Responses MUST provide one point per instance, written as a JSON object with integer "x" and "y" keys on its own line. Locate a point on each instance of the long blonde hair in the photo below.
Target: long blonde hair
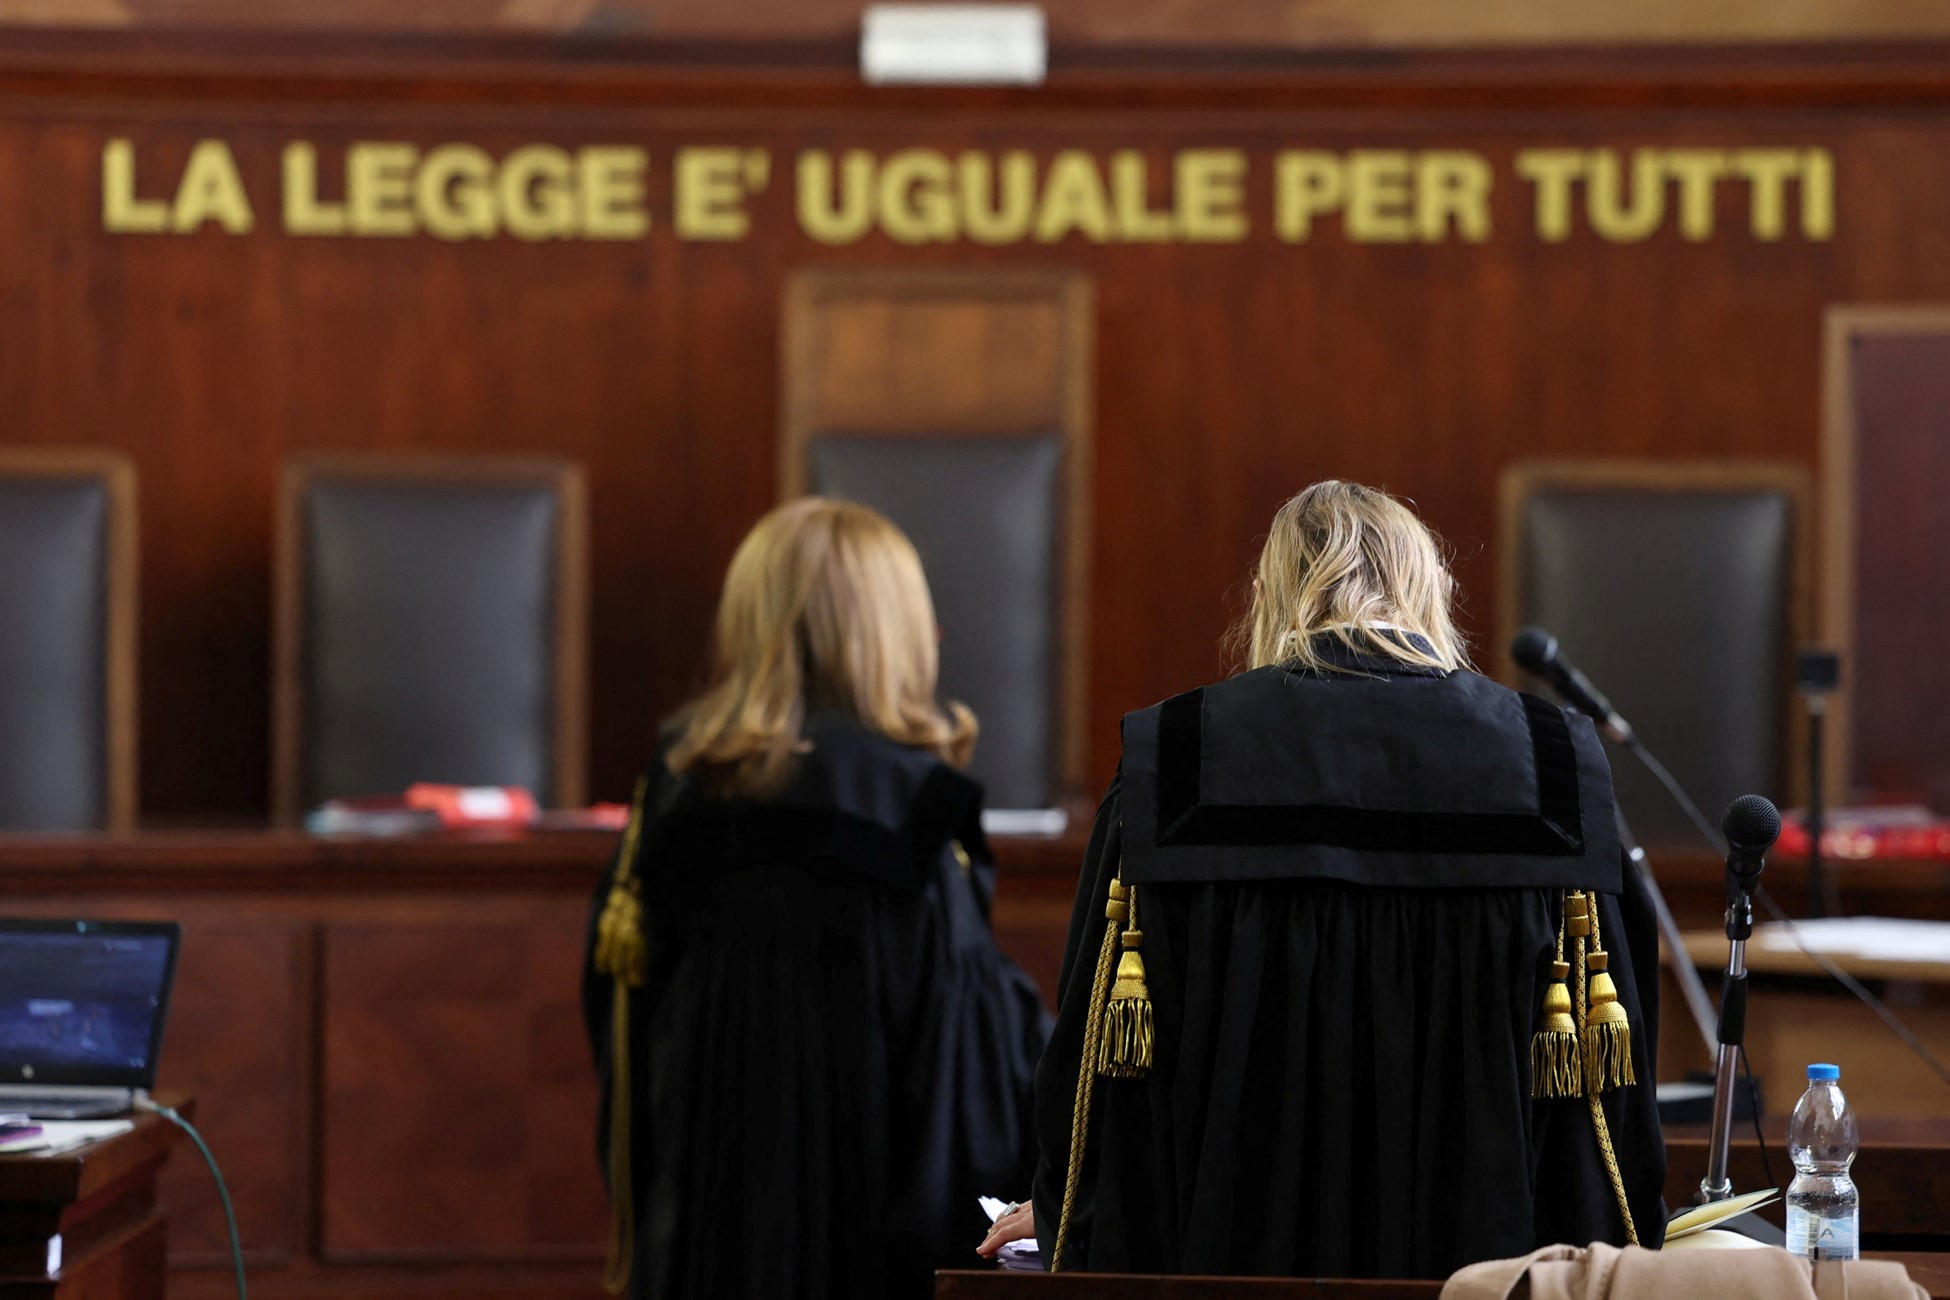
{"x": 1352, "y": 562}
{"x": 824, "y": 607}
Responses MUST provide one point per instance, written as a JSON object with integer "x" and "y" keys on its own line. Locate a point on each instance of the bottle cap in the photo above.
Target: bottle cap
{"x": 1829, "y": 1073}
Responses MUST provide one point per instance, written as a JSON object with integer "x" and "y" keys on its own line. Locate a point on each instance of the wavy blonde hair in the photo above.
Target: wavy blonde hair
{"x": 1344, "y": 560}
{"x": 824, "y": 607}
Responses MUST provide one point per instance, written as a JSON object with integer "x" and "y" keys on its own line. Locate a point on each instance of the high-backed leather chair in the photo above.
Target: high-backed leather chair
{"x": 67, "y": 641}
{"x": 957, "y": 404}
{"x": 1884, "y": 533}
{"x": 430, "y": 626}
{"x": 1681, "y": 591}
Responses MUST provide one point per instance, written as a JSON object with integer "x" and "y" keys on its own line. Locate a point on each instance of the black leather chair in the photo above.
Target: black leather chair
{"x": 1680, "y": 590}
{"x": 67, "y": 641}
{"x": 986, "y": 515}
{"x": 957, "y": 404}
{"x": 431, "y": 626}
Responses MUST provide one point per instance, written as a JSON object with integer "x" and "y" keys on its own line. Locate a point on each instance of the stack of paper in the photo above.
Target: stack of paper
{"x": 1885, "y": 938}
{"x": 1025, "y": 1256}
{"x": 17, "y": 1129}
{"x": 1700, "y": 1218}
{"x": 66, "y": 1134}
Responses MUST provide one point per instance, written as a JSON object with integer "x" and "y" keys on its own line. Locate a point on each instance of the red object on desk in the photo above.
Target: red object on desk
{"x": 460, "y": 805}
{"x": 1866, "y": 834}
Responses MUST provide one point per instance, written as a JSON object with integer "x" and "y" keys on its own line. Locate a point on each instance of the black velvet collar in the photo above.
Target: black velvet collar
{"x": 1353, "y": 659}
{"x": 856, "y": 798}
{"x": 1407, "y": 776}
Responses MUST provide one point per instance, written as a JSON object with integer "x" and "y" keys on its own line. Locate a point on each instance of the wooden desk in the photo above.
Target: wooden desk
{"x": 386, "y": 1036}
{"x": 87, "y": 1223}
{"x": 387, "y": 1042}
{"x": 1797, "y": 1013}
{"x": 1931, "y": 1271}
{"x": 997, "y": 1284}
{"x": 1903, "y": 1175}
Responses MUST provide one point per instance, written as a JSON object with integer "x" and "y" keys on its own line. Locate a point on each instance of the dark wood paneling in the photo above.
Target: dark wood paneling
{"x": 457, "y": 1091}
{"x": 1228, "y": 375}
{"x": 1886, "y": 459}
{"x": 239, "y": 1040}
{"x": 1077, "y": 25}
{"x": 428, "y": 1104}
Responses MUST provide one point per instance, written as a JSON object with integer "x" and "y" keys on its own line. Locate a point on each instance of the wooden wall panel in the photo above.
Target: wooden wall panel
{"x": 1227, "y": 376}
{"x": 456, "y": 1092}
{"x": 1886, "y": 461}
{"x": 829, "y": 26}
{"x": 239, "y": 1041}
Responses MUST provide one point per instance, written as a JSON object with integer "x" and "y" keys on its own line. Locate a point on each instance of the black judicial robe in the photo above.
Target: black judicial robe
{"x": 830, "y": 1059}
{"x": 1349, "y": 891}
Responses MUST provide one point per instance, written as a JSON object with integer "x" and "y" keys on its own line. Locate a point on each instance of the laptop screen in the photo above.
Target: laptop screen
{"x": 82, "y": 1002}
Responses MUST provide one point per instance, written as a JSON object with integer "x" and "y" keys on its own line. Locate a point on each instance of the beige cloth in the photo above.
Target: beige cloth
{"x": 1601, "y": 1272}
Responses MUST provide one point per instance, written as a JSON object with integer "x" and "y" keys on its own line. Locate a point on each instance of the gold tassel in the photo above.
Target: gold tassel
{"x": 1607, "y": 1029}
{"x": 1125, "y": 1046}
{"x": 619, "y": 934}
{"x": 1556, "y": 1065}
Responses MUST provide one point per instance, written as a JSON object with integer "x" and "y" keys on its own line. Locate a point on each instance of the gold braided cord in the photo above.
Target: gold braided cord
{"x": 1598, "y": 1123}
{"x": 1610, "y": 1157}
{"x": 623, "y": 961}
{"x": 1087, "y": 1074}
{"x": 622, "y": 1192}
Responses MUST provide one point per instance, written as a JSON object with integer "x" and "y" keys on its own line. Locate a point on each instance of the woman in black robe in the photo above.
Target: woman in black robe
{"x": 813, "y": 1056}
{"x": 1358, "y": 983}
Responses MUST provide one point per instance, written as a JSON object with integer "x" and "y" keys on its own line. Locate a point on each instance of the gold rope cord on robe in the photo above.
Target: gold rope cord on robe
{"x": 1116, "y": 908}
{"x": 620, "y": 955}
{"x": 1592, "y": 1098}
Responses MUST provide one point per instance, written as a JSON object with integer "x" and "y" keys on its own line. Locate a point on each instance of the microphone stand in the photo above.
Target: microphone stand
{"x": 1691, "y": 986}
{"x": 1717, "y": 1186}
{"x": 1821, "y": 892}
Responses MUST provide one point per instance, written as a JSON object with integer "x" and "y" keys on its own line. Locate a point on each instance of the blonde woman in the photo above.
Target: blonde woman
{"x": 814, "y": 1058}
{"x": 1313, "y": 1018}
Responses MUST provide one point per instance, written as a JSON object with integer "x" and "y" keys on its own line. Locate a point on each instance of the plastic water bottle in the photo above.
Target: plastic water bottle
{"x": 1823, "y": 1211}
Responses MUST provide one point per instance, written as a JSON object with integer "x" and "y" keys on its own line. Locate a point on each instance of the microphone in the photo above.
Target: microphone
{"x": 1751, "y": 826}
{"x": 1536, "y": 652}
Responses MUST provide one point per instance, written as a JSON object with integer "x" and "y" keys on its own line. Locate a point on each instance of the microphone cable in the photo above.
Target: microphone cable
{"x": 1753, "y": 1113}
{"x": 223, "y": 1191}
{"x": 1793, "y": 931}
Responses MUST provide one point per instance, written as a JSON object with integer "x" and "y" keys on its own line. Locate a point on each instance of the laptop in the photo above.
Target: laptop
{"x": 82, "y": 1005}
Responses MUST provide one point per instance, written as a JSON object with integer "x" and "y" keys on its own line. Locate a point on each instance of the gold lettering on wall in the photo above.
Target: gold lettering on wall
{"x": 711, "y": 186}
{"x": 918, "y": 195}
{"x": 835, "y": 209}
{"x": 454, "y": 193}
{"x": 121, "y": 209}
{"x": 1211, "y": 191}
{"x": 1384, "y": 196}
{"x": 209, "y": 189}
{"x": 1679, "y": 189}
{"x": 304, "y": 213}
